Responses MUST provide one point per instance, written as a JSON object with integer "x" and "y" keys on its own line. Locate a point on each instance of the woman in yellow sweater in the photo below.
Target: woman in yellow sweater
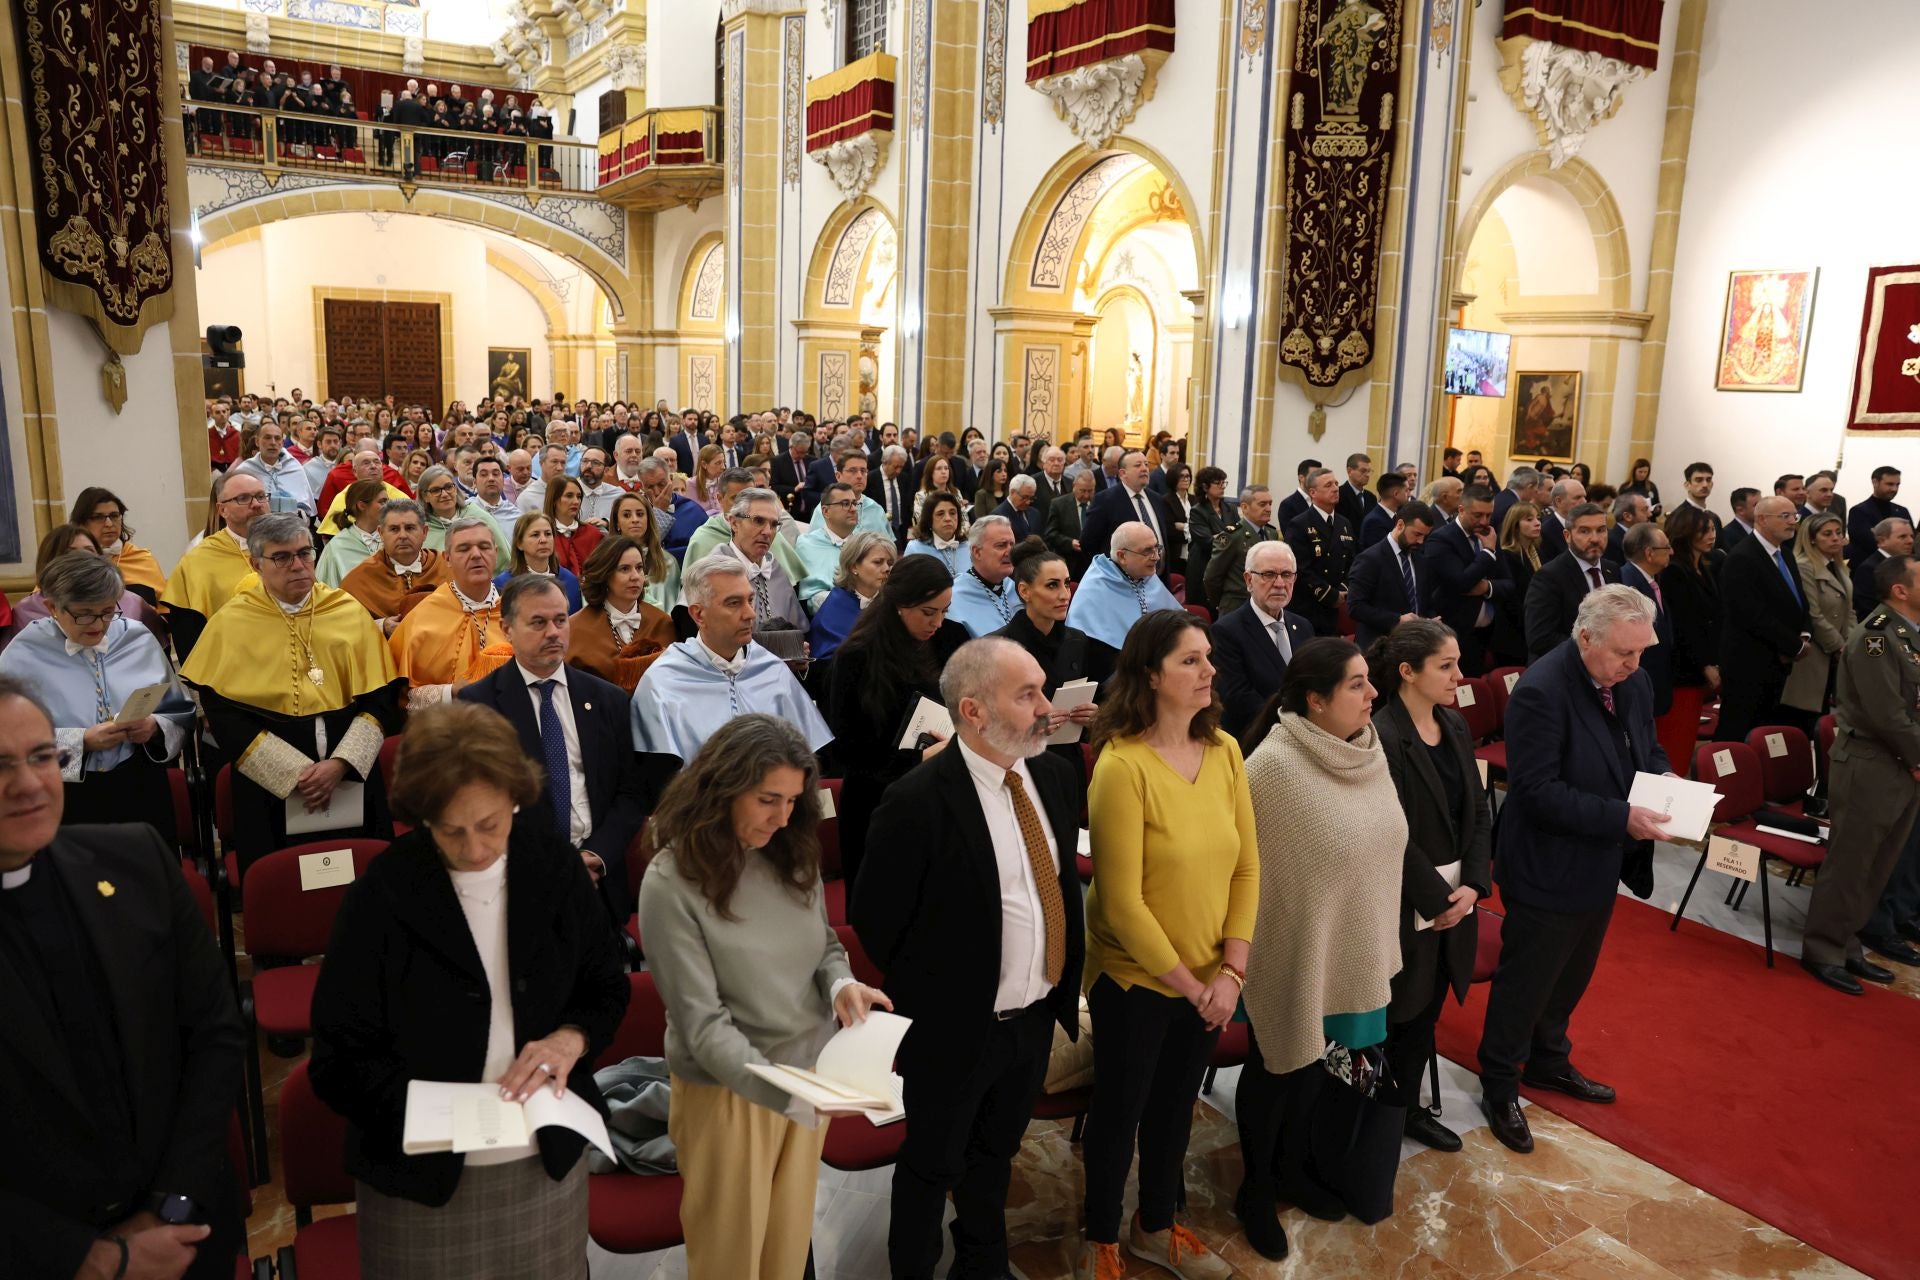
{"x": 1176, "y": 880}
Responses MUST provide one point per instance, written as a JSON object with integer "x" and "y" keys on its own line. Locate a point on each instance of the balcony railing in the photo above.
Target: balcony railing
{"x": 281, "y": 141}
{"x": 662, "y": 157}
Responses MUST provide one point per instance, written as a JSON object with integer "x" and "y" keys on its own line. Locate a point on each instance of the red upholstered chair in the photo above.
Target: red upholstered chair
{"x": 832, "y": 885}
{"x": 855, "y": 1143}
{"x": 1200, "y": 611}
{"x": 1501, "y": 680}
{"x": 1474, "y": 701}
{"x": 1823, "y": 737}
{"x": 636, "y": 1212}
{"x": 313, "y": 1143}
{"x": 1786, "y": 765}
{"x": 1230, "y": 1050}
{"x": 1177, "y": 584}
{"x": 1343, "y": 621}
{"x": 864, "y": 969}
{"x": 1734, "y": 771}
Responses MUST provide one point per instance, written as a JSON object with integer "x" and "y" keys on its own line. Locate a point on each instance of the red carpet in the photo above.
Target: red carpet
{"x": 1759, "y": 1086}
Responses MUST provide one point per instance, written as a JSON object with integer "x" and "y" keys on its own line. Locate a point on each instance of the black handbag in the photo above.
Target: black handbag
{"x": 1356, "y": 1132}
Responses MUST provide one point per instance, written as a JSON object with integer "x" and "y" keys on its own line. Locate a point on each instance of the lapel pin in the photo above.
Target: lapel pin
{"x": 586, "y": 706}
{"x": 106, "y": 888}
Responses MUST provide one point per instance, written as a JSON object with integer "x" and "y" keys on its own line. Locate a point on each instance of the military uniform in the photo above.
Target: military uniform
{"x": 1224, "y": 586}
{"x": 1324, "y": 544}
{"x": 1875, "y": 801}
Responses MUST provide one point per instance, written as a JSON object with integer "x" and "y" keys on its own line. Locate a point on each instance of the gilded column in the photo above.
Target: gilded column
{"x": 752, "y": 192}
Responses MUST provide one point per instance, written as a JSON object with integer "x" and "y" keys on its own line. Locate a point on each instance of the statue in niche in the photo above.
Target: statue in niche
{"x": 1349, "y": 36}
{"x": 1136, "y": 389}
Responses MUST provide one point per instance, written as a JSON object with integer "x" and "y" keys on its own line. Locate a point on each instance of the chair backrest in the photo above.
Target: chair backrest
{"x": 1823, "y": 735}
{"x": 1200, "y": 611}
{"x": 284, "y": 921}
{"x": 202, "y": 896}
{"x": 830, "y": 833}
{"x": 1731, "y": 769}
{"x": 1474, "y": 700}
{"x": 1786, "y": 762}
{"x": 313, "y": 1146}
{"x": 186, "y": 833}
{"x": 223, "y": 807}
{"x": 636, "y": 865}
{"x": 864, "y": 969}
{"x": 643, "y": 1028}
{"x": 1501, "y": 680}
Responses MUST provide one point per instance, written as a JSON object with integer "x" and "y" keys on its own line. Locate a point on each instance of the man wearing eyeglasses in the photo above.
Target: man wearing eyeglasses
{"x": 1120, "y": 588}
{"x": 208, "y": 575}
{"x": 403, "y": 572}
{"x": 754, "y": 515}
{"x": 819, "y": 547}
{"x": 300, "y": 691}
{"x": 1253, "y": 645}
{"x": 279, "y": 471}
{"x": 853, "y": 473}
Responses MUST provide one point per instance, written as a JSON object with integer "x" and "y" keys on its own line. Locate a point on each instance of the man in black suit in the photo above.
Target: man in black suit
{"x": 1253, "y": 644}
{"x": 1763, "y": 621}
{"x": 1563, "y": 582}
{"x": 1066, "y": 523}
{"x": 122, "y": 1053}
{"x": 1699, "y": 485}
{"x": 1891, "y": 537}
{"x": 687, "y": 442}
{"x": 1019, "y": 509}
{"x": 1568, "y": 493}
{"x": 586, "y": 747}
{"x": 1296, "y": 502}
{"x": 1629, "y": 509}
{"x": 969, "y": 902}
{"x": 1648, "y": 554}
{"x": 787, "y": 472}
{"x": 1324, "y": 544}
{"x": 1051, "y": 478}
{"x": 1579, "y": 725}
{"x": 1525, "y": 484}
{"x": 1355, "y": 498}
{"x": 1128, "y": 500}
{"x": 1384, "y": 588}
{"x": 887, "y": 485}
{"x": 1740, "y": 528}
{"x": 1465, "y": 577}
{"x": 1392, "y": 490}
{"x": 1869, "y": 512}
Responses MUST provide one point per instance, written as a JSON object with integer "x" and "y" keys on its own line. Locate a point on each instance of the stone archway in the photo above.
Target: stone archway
{"x": 700, "y": 319}
{"x": 1589, "y": 190}
{"x": 843, "y": 344}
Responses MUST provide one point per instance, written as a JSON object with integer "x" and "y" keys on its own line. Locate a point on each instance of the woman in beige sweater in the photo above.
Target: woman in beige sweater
{"x": 1818, "y": 545}
{"x": 1326, "y": 940}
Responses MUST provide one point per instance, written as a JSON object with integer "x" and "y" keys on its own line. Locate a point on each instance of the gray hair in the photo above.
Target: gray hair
{"x": 460, "y": 524}
{"x": 748, "y": 496}
{"x": 1523, "y": 478}
{"x": 1254, "y": 553}
{"x": 1113, "y": 453}
{"x": 978, "y": 534}
{"x": 697, "y": 581}
{"x": 650, "y": 467}
{"x": 1884, "y": 530}
{"x": 1021, "y": 484}
{"x": 434, "y": 473}
{"x": 893, "y": 452}
{"x": 1563, "y": 489}
{"x": 78, "y": 577}
{"x": 1629, "y": 503}
{"x": 12, "y": 686}
{"x": 1253, "y": 489}
{"x": 859, "y": 545}
{"x": 272, "y": 530}
{"x": 404, "y": 506}
{"x": 1615, "y": 603}
{"x": 974, "y": 669}
{"x": 731, "y": 476}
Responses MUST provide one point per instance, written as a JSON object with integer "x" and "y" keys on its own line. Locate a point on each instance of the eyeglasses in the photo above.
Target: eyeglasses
{"x": 88, "y": 617}
{"x": 104, "y": 517}
{"x": 437, "y": 490}
{"x": 246, "y": 499}
{"x": 1150, "y": 553}
{"x": 40, "y": 758}
{"x": 281, "y": 559}
{"x": 1269, "y": 575}
{"x": 845, "y": 504}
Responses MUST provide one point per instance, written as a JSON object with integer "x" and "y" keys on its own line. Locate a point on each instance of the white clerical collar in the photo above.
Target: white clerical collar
{"x": 944, "y": 544}
{"x": 566, "y": 530}
{"x": 372, "y": 540}
{"x": 559, "y": 675}
{"x": 761, "y": 568}
{"x": 469, "y": 603}
{"x": 74, "y": 648}
{"x": 291, "y": 609}
{"x": 618, "y": 617}
{"x": 833, "y": 538}
{"x": 17, "y": 877}
{"x": 727, "y": 666}
{"x": 418, "y": 566}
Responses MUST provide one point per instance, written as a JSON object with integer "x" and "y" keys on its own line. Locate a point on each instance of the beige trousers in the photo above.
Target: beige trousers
{"x": 750, "y": 1175}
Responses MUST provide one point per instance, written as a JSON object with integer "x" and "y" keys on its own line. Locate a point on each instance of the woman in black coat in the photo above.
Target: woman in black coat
{"x": 1212, "y": 514}
{"x": 1063, "y": 652}
{"x": 1690, "y": 589}
{"x": 1429, "y": 752}
{"x": 1520, "y": 554}
{"x": 474, "y": 949}
{"x": 889, "y": 661}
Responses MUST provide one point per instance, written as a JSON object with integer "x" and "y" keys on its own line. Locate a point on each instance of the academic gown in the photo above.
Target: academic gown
{"x": 205, "y": 579}
{"x": 272, "y": 720}
{"x": 33, "y": 606}
{"x": 838, "y": 612}
{"x": 953, "y": 555}
{"x": 684, "y": 698}
{"x": 436, "y": 539}
{"x": 128, "y": 779}
{"x": 568, "y": 583}
{"x": 336, "y": 521}
{"x": 592, "y": 645}
{"x": 388, "y": 594}
{"x": 344, "y": 553}
{"x": 978, "y": 609}
{"x": 439, "y": 643}
{"x": 716, "y": 531}
{"x": 1108, "y": 602}
{"x": 139, "y": 571}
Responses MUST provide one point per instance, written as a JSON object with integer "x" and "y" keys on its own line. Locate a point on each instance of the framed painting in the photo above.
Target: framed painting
{"x": 1763, "y": 333}
{"x": 507, "y": 372}
{"x": 1546, "y": 415}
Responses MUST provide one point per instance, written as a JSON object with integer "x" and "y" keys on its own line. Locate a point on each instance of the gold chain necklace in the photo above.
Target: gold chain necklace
{"x": 305, "y": 643}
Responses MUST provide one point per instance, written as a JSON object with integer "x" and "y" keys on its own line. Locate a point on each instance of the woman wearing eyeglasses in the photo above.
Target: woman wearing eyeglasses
{"x": 440, "y": 493}
{"x": 85, "y": 659}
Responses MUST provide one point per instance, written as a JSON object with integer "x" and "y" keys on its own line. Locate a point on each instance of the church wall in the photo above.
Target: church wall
{"x": 1798, "y": 161}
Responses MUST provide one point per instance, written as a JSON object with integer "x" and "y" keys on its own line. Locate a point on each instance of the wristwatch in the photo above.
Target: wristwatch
{"x": 174, "y": 1210}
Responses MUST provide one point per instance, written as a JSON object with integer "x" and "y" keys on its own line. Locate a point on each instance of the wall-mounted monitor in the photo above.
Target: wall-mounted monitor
{"x": 1477, "y": 362}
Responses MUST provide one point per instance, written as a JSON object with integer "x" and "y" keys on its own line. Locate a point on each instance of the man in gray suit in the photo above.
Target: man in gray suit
{"x": 1064, "y": 520}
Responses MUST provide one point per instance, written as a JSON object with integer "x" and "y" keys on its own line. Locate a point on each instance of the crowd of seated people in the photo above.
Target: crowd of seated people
{"x": 577, "y": 629}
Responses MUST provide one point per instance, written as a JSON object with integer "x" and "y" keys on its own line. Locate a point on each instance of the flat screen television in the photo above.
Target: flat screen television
{"x": 1477, "y": 362}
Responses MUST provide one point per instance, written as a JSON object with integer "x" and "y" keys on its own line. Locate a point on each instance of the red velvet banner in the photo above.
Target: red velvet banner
{"x": 866, "y": 106}
{"x": 98, "y": 169}
{"x": 1625, "y": 29}
{"x": 1886, "y": 378}
{"x": 1094, "y": 31}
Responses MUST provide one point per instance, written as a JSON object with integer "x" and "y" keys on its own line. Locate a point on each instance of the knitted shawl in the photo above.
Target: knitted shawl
{"x": 1332, "y": 839}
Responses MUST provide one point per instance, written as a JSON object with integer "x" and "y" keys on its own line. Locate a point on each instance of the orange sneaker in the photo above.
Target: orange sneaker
{"x": 1178, "y": 1250}
{"x": 1099, "y": 1262}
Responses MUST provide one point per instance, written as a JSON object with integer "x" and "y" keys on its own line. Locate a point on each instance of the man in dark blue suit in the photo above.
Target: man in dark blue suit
{"x": 1567, "y": 494}
{"x": 1380, "y": 516}
{"x": 1892, "y": 537}
{"x": 1465, "y": 578}
{"x": 686, "y": 442}
{"x": 1870, "y": 511}
{"x": 578, "y": 726}
{"x": 1383, "y": 590}
{"x": 1579, "y": 726}
{"x": 1019, "y": 510}
{"x": 1252, "y": 645}
{"x": 1130, "y": 499}
{"x": 1553, "y": 598}
{"x": 1648, "y": 553}
{"x": 1295, "y": 503}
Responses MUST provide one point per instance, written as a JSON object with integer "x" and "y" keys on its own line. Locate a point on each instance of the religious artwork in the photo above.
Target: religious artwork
{"x": 1546, "y": 415}
{"x": 99, "y": 178}
{"x": 1886, "y": 377}
{"x": 1763, "y": 335}
{"x": 507, "y": 372}
{"x": 1339, "y": 148}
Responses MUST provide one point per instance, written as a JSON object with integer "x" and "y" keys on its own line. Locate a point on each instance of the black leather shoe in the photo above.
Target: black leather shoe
{"x": 1571, "y": 1083}
{"x": 1423, "y": 1127}
{"x": 1260, "y": 1215}
{"x": 1910, "y": 930}
{"x": 1509, "y": 1124}
{"x": 1865, "y": 968}
{"x": 1892, "y": 948}
{"x": 1834, "y": 976}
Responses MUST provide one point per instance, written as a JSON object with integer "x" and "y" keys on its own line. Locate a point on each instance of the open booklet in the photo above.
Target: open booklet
{"x": 1687, "y": 805}
{"x": 1075, "y": 693}
{"x": 443, "y": 1116}
{"x": 854, "y": 1071}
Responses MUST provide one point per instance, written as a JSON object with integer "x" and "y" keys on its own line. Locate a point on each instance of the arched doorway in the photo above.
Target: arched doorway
{"x": 846, "y": 350}
{"x": 701, "y": 321}
{"x": 1097, "y": 328}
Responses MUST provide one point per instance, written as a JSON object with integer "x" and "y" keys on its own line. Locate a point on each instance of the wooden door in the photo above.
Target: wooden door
{"x": 378, "y": 347}
{"x": 356, "y": 350}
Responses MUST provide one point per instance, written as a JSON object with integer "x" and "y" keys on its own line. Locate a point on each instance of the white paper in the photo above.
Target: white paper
{"x": 441, "y": 1112}
{"x": 1451, "y": 874}
{"x": 928, "y": 717}
{"x": 142, "y": 703}
{"x": 1513, "y": 678}
{"x": 1483, "y": 772}
{"x": 1463, "y": 696}
{"x": 826, "y": 803}
{"x": 327, "y": 869}
{"x": 1730, "y": 857}
{"x": 1068, "y": 696}
{"x": 345, "y": 808}
{"x": 854, "y": 1071}
{"x": 484, "y": 1121}
{"x": 1782, "y": 832}
{"x": 1723, "y": 762}
{"x": 1776, "y": 745}
{"x": 1687, "y": 806}
{"x": 1084, "y": 845}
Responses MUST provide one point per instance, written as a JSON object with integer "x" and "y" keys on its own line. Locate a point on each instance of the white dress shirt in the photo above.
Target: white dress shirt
{"x": 1276, "y": 628}
{"x": 1143, "y": 499}
{"x": 580, "y": 821}
{"x": 1023, "y": 928}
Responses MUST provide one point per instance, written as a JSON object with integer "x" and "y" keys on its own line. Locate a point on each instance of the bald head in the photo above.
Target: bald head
{"x": 1135, "y": 550}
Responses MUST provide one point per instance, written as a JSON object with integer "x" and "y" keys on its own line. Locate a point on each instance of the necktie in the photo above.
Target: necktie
{"x": 893, "y": 504}
{"x": 1406, "y": 580}
{"x": 1053, "y": 909}
{"x": 1781, "y": 560}
{"x": 1083, "y": 514}
{"x": 1140, "y": 505}
{"x": 762, "y": 603}
{"x": 1593, "y": 576}
{"x": 1606, "y": 698}
{"x": 1658, "y": 603}
{"x": 553, "y": 754}
{"x": 1282, "y": 641}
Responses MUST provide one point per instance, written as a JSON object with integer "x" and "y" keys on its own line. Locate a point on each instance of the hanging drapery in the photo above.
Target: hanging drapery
{"x": 1339, "y": 149}
{"x": 1063, "y": 35}
{"x": 1625, "y": 29}
{"x": 1886, "y": 377}
{"x": 94, "y": 95}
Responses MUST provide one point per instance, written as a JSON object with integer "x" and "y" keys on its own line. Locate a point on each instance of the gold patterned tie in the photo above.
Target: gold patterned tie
{"x": 1053, "y": 908}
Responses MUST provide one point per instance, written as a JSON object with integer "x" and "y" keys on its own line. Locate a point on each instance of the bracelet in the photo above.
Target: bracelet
{"x": 120, "y": 1271}
{"x": 1239, "y": 978}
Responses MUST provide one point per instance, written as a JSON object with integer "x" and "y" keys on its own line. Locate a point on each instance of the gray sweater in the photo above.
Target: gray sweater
{"x": 756, "y": 988}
